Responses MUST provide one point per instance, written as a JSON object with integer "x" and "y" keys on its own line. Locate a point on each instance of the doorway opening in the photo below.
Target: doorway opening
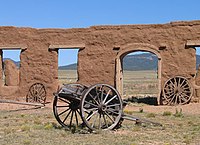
{"x": 10, "y": 67}
{"x": 140, "y": 74}
{"x": 67, "y": 65}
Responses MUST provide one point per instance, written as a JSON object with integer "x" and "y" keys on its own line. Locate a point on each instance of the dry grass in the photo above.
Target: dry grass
{"x": 140, "y": 83}
{"x": 36, "y": 127}
{"x": 40, "y": 127}
{"x": 67, "y": 76}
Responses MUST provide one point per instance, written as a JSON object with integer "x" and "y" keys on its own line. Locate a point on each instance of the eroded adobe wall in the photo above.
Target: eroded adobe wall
{"x": 97, "y": 62}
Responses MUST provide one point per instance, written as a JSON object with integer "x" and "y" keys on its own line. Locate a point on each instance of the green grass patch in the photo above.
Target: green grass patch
{"x": 167, "y": 113}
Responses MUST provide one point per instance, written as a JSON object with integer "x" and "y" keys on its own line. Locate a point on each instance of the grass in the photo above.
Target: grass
{"x": 36, "y": 127}
{"x": 140, "y": 83}
{"x": 40, "y": 127}
{"x": 67, "y": 76}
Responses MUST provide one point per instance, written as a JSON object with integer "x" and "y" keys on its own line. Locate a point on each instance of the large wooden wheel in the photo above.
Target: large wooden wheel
{"x": 66, "y": 106}
{"x": 177, "y": 90}
{"x": 101, "y": 107}
{"x": 36, "y": 93}
{"x": 67, "y": 113}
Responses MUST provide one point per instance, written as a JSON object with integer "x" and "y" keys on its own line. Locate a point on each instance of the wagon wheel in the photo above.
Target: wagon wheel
{"x": 66, "y": 112}
{"x": 101, "y": 107}
{"x": 177, "y": 90}
{"x": 36, "y": 93}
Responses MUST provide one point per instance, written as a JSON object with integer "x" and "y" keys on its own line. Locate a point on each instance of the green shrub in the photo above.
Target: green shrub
{"x": 151, "y": 115}
{"x": 48, "y": 126}
{"x": 178, "y": 113}
{"x": 167, "y": 113}
{"x": 128, "y": 112}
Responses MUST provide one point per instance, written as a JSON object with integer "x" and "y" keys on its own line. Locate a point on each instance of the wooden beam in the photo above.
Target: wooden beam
{"x": 7, "y": 47}
{"x": 193, "y": 43}
{"x": 78, "y": 46}
{"x": 21, "y": 103}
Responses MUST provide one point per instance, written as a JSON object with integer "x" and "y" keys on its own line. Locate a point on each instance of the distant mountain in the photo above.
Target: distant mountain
{"x": 17, "y": 63}
{"x": 68, "y": 67}
{"x": 144, "y": 61}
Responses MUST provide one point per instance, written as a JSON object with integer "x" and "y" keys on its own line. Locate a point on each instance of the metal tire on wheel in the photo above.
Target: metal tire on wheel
{"x": 101, "y": 107}
{"x": 177, "y": 90}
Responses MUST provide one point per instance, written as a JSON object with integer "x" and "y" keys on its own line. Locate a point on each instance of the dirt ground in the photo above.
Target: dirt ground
{"x": 189, "y": 109}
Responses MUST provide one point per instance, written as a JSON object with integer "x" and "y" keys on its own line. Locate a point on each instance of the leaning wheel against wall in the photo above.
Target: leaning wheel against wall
{"x": 36, "y": 93}
{"x": 177, "y": 90}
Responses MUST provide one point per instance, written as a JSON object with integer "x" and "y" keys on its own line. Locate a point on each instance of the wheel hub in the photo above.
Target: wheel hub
{"x": 74, "y": 105}
{"x": 102, "y": 108}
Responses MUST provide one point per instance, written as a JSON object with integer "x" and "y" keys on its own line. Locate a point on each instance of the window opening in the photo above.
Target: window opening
{"x": 10, "y": 67}
{"x": 67, "y": 65}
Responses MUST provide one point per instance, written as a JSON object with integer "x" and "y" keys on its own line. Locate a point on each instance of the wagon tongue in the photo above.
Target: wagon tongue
{"x": 139, "y": 120}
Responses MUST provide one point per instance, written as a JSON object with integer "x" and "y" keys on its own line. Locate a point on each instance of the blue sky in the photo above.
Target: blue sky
{"x": 85, "y": 13}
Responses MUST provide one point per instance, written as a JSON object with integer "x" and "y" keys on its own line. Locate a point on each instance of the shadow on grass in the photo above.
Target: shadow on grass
{"x": 146, "y": 100}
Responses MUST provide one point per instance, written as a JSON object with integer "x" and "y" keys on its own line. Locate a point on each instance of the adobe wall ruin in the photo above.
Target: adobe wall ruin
{"x": 101, "y": 49}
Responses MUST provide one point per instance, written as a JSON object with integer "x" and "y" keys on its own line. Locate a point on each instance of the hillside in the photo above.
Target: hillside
{"x": 144, "y": 61}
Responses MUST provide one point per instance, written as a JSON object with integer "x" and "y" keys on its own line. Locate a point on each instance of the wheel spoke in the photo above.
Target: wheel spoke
{"x": 76, "y": 118}
{"x": 105, "y": 120}
{"x": 184, "y": 85}
{"x": 78, "y": 112}
{"x": 168, "y": 97}
{"x": 102, "y": 94}
{"x": 63, "y": 100}
{"x": 97, "y": 92}
{"x": 90, "y": 110}
{"x": 94, "y": 121}
{"x": 182, "y": 82}
{"x": 109, "y": 116}
{"x": 93, "y": 99}
{"x": 172, "y": 84}
{"x": 106, "y": 96}
{"x": 183, "y": 98}
{"x": 62, "y": 106}
{"x": 63, "y": 112}
{"x": 172, "y": 99}
{"x": 110, "y": 99}
{"x": 113, "y": 105}
{"x": 91, "y": 103}
{"x": 71, "y": 119}
{"x": 91, "y": 115}
{"x": 113, "y": 111}
{"x": 176, "y": 99}
{"x": 100, "y": 121}
{"x": 67, "y": 116}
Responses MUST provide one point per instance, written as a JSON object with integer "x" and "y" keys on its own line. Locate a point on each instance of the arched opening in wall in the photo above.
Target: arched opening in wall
{"x": 140, "y": 76}
{"x": 10, "y": 66}
{"x": 67, "y": 65}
